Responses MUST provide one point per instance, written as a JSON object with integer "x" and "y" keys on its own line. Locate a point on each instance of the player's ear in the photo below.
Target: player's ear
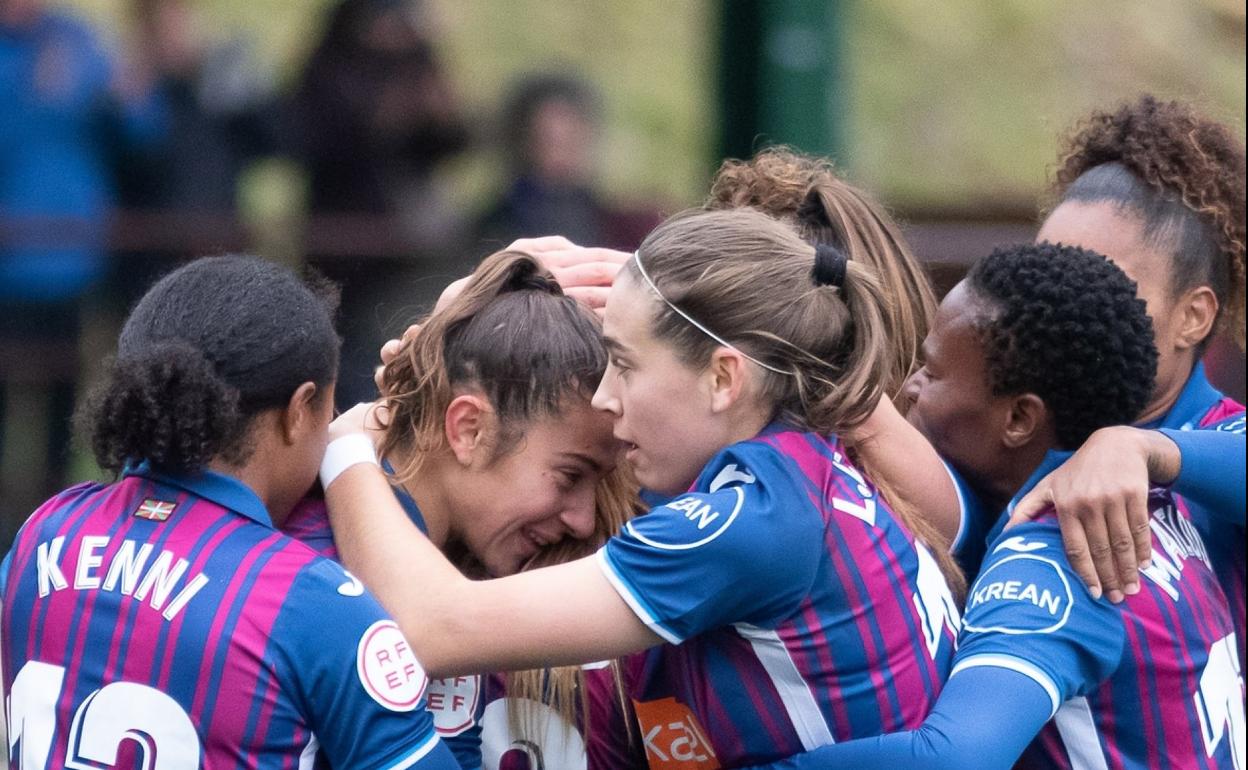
{"x": 1024, "y": 420}
{"x": 1197, "y": 311}
{"x": 726, "y": 378}
{"x": 469, "y": 427}
{"x": 298, "y": 418}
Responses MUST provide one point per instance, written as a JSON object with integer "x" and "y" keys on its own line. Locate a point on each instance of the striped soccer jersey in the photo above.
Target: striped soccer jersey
{"x": 161, "y": 622}
{"x": 1201, "y": 407}
{"x": 1152, "y": 683}
{"x": 797, "y": 610}
{"x": 471, "y": 713}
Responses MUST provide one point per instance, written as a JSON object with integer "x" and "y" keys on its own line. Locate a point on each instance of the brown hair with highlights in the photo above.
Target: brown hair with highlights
{"x": 806, "y": 192}
{"x": 748, "y": 278}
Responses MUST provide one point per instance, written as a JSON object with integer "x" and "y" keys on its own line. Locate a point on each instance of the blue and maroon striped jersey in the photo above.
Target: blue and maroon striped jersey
{"x": 455, "y": 703}
{"x": 1201, "y": 407}
{"x": 1153, "y": 683}
{"x": 798, "y": 611}
{"x": 161, "y": 622}
{"x": 470, "y": 713}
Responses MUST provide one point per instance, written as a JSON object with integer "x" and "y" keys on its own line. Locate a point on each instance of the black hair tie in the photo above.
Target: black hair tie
{"x": 830, "y": 266}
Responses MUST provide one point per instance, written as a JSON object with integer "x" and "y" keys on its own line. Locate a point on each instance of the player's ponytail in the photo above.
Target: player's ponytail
{"x": 512, "y": 335}
{"x": 807, "y": 192}
{"x": 816, "y": 322}
{"x": 200, "y": 355}
{"x": 165, "y": 405}
{"x": 1183, "y": 176}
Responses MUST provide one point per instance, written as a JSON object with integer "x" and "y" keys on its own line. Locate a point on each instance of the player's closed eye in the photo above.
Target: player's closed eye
{"x": 567, "y": 479}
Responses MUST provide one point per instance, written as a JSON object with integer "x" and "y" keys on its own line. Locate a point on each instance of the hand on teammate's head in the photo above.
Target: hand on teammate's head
{"x": 584, "y": 272}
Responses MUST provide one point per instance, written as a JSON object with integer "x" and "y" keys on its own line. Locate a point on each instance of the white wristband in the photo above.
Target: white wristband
{"x": 342, "y": 453}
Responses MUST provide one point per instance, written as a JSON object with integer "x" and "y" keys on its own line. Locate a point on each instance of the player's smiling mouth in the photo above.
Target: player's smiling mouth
{"x": 535, "y": 538}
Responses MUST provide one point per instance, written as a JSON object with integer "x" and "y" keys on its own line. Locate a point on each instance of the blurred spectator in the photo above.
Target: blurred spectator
{"x": 374, "y": 111}
{"x": 221, "y": 115}
{"x": 372, "y": 116}
{"x": 63, "y": 106}
{"x": 550, "y": 131}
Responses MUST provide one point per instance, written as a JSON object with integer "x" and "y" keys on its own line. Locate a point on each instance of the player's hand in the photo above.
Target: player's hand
{"x": 1101, "y": 498}
{"x": 390, "y": 351}
{"x": 584, "y": 272}
{"x": 368, "y": 418}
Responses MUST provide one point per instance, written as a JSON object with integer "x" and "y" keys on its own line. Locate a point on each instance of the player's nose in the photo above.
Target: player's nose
{"x": 604, "y": 399}
{"x": 578, "y": 517}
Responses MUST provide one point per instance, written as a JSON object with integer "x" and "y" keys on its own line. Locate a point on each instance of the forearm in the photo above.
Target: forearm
{"x": 1211, "y": 469}
{"x": 963, "y": 732}
{"x": 896, "y": 454}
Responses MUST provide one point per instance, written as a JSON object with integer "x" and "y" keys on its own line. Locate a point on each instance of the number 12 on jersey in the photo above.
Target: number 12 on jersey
{"x": 109, "y": 716}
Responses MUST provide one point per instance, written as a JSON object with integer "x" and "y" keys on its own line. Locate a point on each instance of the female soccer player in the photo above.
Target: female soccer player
{"x": 1159, "y": 189}
{"x": 1149, "y": 683}
{"x": 798, "y": 607}
{"x": 496, "y": 454}
{"x": 161, "y": 620}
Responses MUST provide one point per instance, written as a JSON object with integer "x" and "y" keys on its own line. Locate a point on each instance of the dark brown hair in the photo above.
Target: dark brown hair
{"x": 806, "y": 192}
{"x": 511, "y": 334}
{"x": 1183, "y": 175}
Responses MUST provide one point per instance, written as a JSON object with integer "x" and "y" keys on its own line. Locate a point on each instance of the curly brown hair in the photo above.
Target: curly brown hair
{"x": 1189, "y": 163}
{"x": 806, "y": 192}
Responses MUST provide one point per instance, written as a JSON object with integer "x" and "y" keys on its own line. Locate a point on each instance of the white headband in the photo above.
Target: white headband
{"x": 700, "y": 327}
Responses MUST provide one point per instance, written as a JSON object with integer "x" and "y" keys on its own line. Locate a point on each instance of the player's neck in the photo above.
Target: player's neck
{"x": 1168, "y": 390}
{"x": 257, "y": 478}
{"x": 428, "y": 489}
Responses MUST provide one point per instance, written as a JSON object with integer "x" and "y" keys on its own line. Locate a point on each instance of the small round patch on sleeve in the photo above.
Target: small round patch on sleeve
{"x": 388, "y": 669}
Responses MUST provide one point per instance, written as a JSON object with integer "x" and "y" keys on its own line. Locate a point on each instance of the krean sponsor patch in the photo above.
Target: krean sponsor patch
{"x": 1020, "y": 594}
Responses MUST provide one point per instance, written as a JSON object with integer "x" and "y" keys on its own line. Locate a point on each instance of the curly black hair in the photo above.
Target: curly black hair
{"x": 207, "y": 348}
{"x": 1065, "y": 324}
{"x": 1183, "y": 175}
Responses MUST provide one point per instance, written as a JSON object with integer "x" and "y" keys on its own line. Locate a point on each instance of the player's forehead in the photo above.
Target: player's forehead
{"x": 577, "y": 433}
{"x": 627, "y": 322}
{"x": 955, "y": 328}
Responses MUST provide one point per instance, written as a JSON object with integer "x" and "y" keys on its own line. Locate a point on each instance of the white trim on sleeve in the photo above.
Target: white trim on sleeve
{"x": 1017, "y": 665}
{"x": 626, "y": 593}
{"x": 956, "y": 544}
{"x": 420, "y": 753}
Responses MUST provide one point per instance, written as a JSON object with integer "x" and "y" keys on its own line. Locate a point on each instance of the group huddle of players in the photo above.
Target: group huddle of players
{"x": 746, "y": 497}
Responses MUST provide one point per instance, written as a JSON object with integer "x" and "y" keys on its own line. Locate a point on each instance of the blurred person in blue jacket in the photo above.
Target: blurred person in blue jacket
{"x": 63, "y": 104}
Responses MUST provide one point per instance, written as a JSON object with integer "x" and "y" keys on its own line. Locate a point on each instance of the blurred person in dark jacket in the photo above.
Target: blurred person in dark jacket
{"x": 550, "y": 128}
{"x": 222, "y": 116}
{"x": 372, "y": 116}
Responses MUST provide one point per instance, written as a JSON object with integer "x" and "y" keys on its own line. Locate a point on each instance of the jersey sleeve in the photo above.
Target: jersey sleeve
{"x": 983, "y": 720}
{"x": 744, "y": 550}
{"x": 361, "y": 686}
{"x": 1029, "y": 612}
{"x": 974, "y": 522}
{"x": 1211, "y": 470}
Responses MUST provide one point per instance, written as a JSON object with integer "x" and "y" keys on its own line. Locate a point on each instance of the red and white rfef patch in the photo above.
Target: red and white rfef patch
{"x": 453, "y": 704}
{"x": 154, "y": 510}
{"x": 388, "y": 668}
